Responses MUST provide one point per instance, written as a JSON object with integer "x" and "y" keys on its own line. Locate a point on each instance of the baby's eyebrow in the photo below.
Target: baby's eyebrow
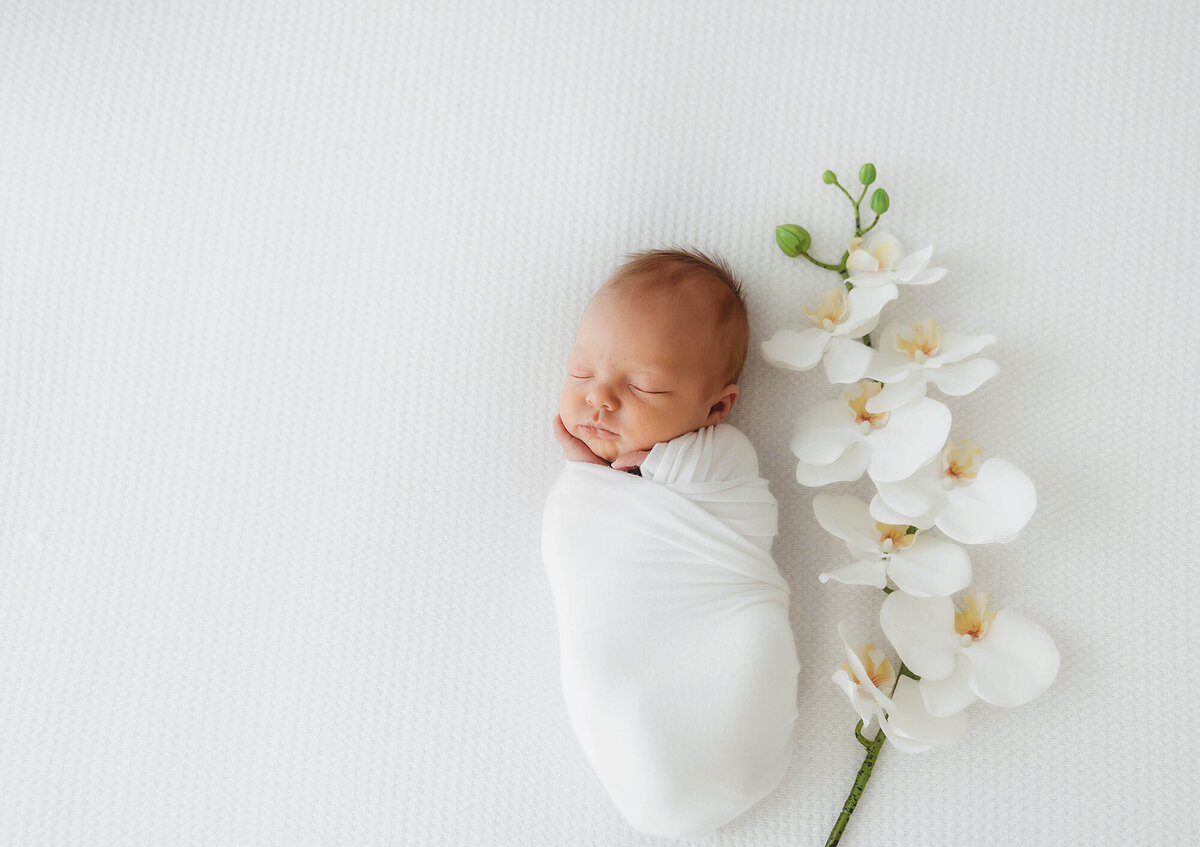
{"x": 645, "y": 368}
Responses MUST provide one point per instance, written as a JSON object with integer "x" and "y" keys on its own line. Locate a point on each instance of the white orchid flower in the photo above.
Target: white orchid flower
{"x": 908, "y": 358}
{"x": 839, "y": 319}
{"x": 879, "y": 260}
{"x": 970, "y": 502}
{"x": 1000, "y": 657}
{"x": 902, "y": 715}
{"x": 837, "y": 440}
{"x": 866, "y": 671}
{"x": 919, "y": 564}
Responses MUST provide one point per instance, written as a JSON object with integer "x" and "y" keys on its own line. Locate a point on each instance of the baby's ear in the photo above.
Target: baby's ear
{"x": 724, "y": 405}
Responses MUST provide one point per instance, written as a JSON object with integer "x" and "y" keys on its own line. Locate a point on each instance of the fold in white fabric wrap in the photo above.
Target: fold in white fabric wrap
{"x": 678, "y": 662}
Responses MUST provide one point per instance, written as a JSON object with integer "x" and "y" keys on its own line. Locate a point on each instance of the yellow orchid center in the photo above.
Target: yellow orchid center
{"x": 922, "y": 340}
{"x": 830, "y": 309}
{"x": 976, "y": 620}
{"x": 958, "y": 460}
{"x": 877, "y": 665}
{"x": 857, "y": 402}
{"x": 894, "y": 537}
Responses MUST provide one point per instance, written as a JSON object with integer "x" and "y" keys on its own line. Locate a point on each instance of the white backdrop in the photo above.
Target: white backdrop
{"x": 285, "y": 291}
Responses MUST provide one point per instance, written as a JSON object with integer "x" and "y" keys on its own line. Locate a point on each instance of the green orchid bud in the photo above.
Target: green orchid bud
{"x": 866, "y": 174}
{"x": 830, "y": 177}
{"x": 792, "y": 240}
{"x": 879, "y": 201}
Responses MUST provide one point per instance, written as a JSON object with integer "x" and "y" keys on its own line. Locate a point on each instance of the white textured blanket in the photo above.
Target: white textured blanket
{"x": 678, "y": 662}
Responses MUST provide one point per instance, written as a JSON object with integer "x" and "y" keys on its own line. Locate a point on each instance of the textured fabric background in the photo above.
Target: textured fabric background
{"x": 285, "y": 291}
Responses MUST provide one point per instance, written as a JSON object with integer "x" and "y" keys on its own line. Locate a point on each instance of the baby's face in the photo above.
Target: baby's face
{"x": 643, "y": 370}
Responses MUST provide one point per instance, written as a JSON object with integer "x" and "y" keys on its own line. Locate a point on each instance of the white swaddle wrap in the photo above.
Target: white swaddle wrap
{"x": 678, "y": 662}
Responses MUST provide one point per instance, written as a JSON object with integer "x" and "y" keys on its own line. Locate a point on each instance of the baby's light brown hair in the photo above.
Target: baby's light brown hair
{"x": 668, "y": 269}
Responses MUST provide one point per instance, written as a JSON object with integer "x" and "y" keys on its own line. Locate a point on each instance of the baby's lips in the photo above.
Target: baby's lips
{"x": 598, "y": 431}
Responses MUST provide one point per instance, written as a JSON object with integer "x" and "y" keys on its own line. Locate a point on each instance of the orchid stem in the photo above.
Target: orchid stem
{"x": 864, "y": 772}
{"x": 839, "y": 269}
{"x": 847, "y": 193}
{"x": 860, "y": 782}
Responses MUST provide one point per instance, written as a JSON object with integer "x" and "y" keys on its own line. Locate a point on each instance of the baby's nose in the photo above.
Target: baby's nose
{"x": 602, "y": 396}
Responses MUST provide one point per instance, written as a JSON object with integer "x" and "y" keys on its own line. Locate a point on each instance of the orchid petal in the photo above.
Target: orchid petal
{"x": 907, "y": 267}
{"x": 860, "y": 671}
{"x": 931, "y": 567}
{"x": 890, "y": 363}
{"x": 926, "y": 277}
{"x": 824, "y": 432}
{"x": 911, "y": 728}
{"x": 960, "y": 378}
{"x": 866, "y": 708}
{"x": 1015, "y": 661}
{"x": 922, "y": 631}
{"x": 888, "y": 367}
{"x": 867, "y": 280}
{"x": 860, "y": 261}
{"x": 899, "y": 393}
{"x": 899, "y": 740}
{"x": 949, "y": 696}
{"x": 797, "y": 351}
{"x": 847, "y": 468}
{"x": 884, "y": 513}
{"x": 956, "y": 346}
{"x": 860, "y": 573}
{"x": 919, "y": 494}
{"x": 863, "y": 306}
{"x": 913, "y": 435}
{"x": 847, "y": 518}
{"x": 886, "y": 248}
{"x": 847, "y": 360}
{"x": 994, "y": 507}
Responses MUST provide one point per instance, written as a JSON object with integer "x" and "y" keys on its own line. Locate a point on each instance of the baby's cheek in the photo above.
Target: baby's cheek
{"x": 566, "y": 409}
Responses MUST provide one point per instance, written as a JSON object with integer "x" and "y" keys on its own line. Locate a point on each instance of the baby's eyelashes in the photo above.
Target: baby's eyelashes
{"x": 638, "y": 388}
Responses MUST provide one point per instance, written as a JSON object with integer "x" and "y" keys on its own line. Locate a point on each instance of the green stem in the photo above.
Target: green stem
{"x": 847, "y": 193}
{"x": 864, "y": 772}
{"x": 860, "y": 782}
{"x": 858, "y": 230}
{"x": 839, "y": 268}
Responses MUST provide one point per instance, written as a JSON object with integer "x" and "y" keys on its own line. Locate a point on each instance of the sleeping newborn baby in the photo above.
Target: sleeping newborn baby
{"x": 678, "y": 662}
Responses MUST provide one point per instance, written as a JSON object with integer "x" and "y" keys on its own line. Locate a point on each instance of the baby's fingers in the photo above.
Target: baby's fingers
{"x": 560, "y": 432}
{"x": 630, "y": 460}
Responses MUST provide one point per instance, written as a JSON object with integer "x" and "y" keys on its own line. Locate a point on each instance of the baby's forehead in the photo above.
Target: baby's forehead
{"x": 681, "y": 325}
{"x": 661, "y": 315}
{"x": 695, "y": 297}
